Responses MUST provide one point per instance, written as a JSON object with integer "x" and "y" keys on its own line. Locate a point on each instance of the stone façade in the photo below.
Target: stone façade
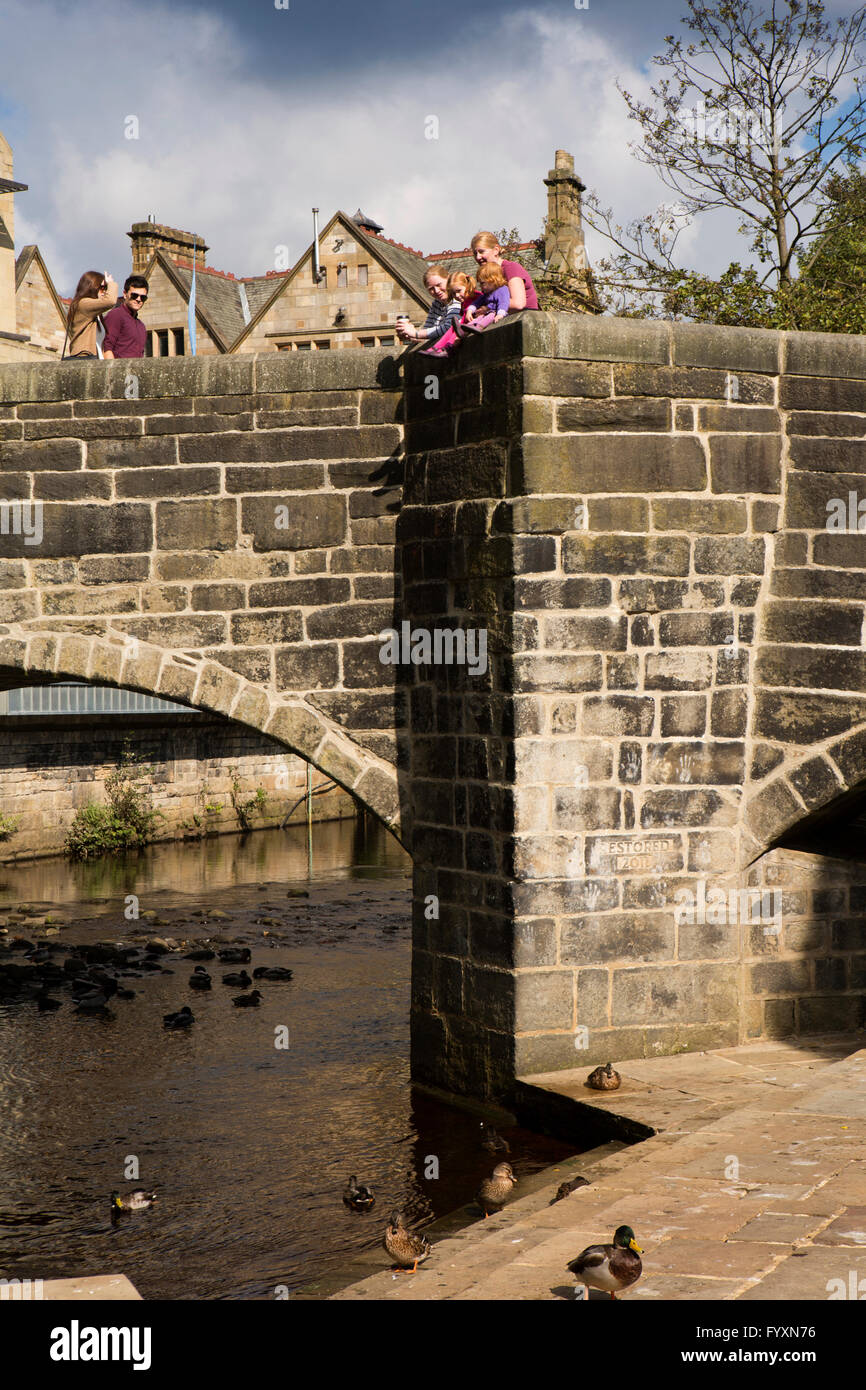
{"x": 635, "y": 512}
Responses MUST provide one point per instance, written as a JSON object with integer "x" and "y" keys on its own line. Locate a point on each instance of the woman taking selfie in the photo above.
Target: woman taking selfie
{"x": 96, "y": 294}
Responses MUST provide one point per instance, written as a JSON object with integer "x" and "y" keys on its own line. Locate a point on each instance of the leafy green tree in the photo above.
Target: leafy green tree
{"x": 829, "y": 294}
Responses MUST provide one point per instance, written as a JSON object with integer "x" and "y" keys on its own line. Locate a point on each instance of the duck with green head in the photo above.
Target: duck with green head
{"x": 609, "y": 1267}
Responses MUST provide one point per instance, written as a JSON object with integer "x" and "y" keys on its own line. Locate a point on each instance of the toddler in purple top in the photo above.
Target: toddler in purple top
{"x": 481, "y": 306}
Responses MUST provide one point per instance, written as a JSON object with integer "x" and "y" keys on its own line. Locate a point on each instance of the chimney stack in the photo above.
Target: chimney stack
{"x": 7, "y": 240}
{"x": 564, "y": 248}
{"x": 151, "y": 236}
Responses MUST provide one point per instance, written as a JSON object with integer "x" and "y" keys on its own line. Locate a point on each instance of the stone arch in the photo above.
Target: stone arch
{"x": 111, "y": 657}
{"x": 803, "y": 787}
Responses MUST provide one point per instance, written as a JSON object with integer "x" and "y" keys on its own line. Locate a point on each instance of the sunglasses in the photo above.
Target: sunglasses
{"x": 133, "y": 295}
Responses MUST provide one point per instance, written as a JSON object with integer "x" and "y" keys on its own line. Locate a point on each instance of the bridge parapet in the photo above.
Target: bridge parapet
{"x": 651, "y": 526}
{"x": 639, "y": 511}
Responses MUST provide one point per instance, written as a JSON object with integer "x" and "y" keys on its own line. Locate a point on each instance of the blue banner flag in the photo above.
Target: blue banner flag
{"x": 192, "y": 311}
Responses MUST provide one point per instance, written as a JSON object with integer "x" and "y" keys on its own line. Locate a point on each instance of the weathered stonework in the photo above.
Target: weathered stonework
{"x": 636, "y": 516}
{"x": 52, "y": 765}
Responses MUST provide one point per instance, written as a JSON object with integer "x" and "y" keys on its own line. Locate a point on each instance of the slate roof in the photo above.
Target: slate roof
{"x": 217, "y": 296}
{"x": 260, "y": 288}
{"x": 10, "y": 186}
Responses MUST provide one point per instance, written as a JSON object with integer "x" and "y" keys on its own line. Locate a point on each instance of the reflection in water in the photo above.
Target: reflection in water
{"x": 341, "y": 848}
{"x": 248, "y": 1144}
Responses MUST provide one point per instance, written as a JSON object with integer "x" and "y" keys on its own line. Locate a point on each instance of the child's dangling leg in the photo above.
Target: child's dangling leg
{"x": 442, "y": 345}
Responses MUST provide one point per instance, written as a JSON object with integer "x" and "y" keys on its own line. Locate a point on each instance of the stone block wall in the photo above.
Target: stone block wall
{"x": 51, "y": 766}
{"x": 637, "y": 518}
{"x": 223, "y": 538}
{"x": 638, "y": 513}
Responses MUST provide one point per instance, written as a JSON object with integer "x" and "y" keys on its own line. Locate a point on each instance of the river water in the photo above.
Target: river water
{"x": 247, "y": 1141}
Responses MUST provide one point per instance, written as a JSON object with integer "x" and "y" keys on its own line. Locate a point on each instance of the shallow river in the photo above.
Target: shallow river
{"x": 247, "y": 1143}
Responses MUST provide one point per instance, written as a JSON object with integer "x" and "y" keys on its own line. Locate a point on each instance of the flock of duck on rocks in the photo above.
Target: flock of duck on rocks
{"x": 95, "y": 976}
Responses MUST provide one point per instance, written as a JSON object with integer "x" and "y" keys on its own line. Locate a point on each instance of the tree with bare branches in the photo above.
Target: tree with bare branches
{"x": 754, "y": 114}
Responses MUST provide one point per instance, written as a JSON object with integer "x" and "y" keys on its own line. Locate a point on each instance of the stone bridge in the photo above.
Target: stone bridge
{"x": 655, "y": 528}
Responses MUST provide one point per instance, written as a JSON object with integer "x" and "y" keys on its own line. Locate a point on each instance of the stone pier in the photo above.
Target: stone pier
{"x": 651, "y": 526}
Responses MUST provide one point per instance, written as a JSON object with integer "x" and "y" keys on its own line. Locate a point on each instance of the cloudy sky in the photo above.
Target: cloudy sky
{"x": 248, "y": 115}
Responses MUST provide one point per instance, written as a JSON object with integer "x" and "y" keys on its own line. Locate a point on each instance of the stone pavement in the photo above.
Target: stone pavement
{"x": 99, "y": 1288}
{"x": 752, "y": 1187}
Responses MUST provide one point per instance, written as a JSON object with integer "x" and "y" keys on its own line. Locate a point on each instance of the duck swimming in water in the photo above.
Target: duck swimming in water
{"x": 358, "y": 1196}
{"x": 239, "y": 979}
{"x": 199, "y": 979}
{"x": 248, "y": 1001}
{"x": 138, "y": 1200}
{"x": 493, "y": 1142}
{"x": 235, "y": 955}
{"x": 182, "y": 1019}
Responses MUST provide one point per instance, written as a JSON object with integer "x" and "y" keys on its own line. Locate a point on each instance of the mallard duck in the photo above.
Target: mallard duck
{"x": 609, "y": 1267}
{"x": 235, "y": 955}
{"x": 182, "y": 1019}
{"x": 199, "y": 979}
{"x": 239, "y": 979}
{"x": 358, "y": 1196}
{"x": 565, "y": 1189}
{"x": 201, "y": 953}
{"x": 493, "y": 1142}
{"x": 139, "y": 1200}
{"x": 495, "y": 1191}
{"x": 404, "y": 1248}
{"x": 272, "y": 972}
{"x": 604, "y": 1078}
{"x": 248, "y": 1001}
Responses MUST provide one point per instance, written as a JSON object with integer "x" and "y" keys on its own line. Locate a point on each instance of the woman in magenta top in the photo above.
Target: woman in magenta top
{"x": 486, "y": 250}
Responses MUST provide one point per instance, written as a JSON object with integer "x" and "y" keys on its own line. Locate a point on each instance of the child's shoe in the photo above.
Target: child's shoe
{"x": 433, "y": 352}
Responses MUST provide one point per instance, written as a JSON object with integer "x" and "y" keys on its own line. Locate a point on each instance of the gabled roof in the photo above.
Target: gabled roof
{"x": 217, "y": 302}
{"x": 26, "y": 256}
{"x": 261, "y": 288}
{"x": 406, "y": 266}
{"x": 218, "y": 296}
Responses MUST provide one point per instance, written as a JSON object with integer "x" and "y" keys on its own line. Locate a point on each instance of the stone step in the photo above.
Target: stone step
{"x": 707, "y": 1235}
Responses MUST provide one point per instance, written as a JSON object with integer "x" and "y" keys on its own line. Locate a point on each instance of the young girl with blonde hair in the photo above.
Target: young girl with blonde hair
{"x": 487, "y": 251}
{"x": 461, "y": 287}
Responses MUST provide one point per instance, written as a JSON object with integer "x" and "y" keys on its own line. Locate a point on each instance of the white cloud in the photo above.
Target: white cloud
{"x": 241, "y": 160}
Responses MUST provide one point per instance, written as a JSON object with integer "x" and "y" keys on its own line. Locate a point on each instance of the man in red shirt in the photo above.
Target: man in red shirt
{"x": 125, "y": 334}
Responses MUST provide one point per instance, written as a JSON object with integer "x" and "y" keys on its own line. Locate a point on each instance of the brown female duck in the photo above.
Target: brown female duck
{"x": 495, "y": 1191}
{"x": 404, "y": 1248}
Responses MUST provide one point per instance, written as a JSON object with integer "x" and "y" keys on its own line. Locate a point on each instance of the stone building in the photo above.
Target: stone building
{"x": 32, "y": 315}
{"x": 345, "y": 289}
